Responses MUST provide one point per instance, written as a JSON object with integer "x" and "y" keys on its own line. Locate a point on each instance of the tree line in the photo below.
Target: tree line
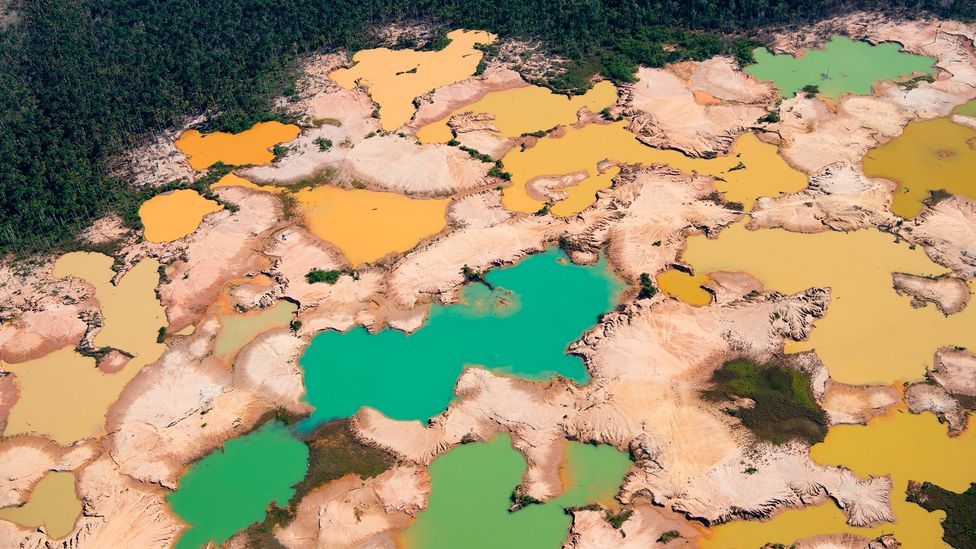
{"x": 81, "y": 81}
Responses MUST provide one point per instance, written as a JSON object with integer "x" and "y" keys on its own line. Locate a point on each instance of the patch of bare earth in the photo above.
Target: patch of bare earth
{"x": 664, "y": 112}
{"x": 351, "y": 512}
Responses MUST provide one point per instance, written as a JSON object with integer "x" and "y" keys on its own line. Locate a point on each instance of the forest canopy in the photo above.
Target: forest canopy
{"x": 81, "y": 81}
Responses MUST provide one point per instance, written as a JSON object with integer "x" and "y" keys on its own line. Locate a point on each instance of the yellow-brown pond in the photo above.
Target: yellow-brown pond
{"x": 240, "y": 329}
{"x": 525, "y": 110}
{"x": 175, "y": 214}
{"x": 395, "y": 77}
{"x": 684, "y": 286}
{"x": 53, "y": 504}
{"x": 870, "y": 334}
{"x": 906, "y": 446}
{"x": 251, "y": 146}
{"x": 751, "y": 170}
{"x": 62, "y": 394}
{"x": 929, "y": 155}
{"x": 367, "y": 225}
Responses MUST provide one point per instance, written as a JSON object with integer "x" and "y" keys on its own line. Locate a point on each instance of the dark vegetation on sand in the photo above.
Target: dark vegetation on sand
{"x": 959, "y": 526}
{"x": 333, "y": 453}
{"x": 784, "y": 406}
{"x": 82, "y": 81}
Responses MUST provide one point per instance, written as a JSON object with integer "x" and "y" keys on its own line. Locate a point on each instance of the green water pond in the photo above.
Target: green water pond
{"x": 842, "y": 66}
{"x": 471, "y": 489}
{"x": 966, "y": 109}
{"x": 230, "y": 488}
{"x": 522, "y": 327}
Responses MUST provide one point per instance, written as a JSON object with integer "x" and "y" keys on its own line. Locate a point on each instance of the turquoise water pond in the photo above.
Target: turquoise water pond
{"x": 522, "y": 327}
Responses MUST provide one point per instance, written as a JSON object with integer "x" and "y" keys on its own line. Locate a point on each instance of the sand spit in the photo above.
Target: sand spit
{"x": 948, "y": 293}
{"x": 857, "y": 403}
{"x": 947, "y": 231}
{"x": 442, "y": 101}
{"x": 846, "y": 541}
{"x": 950, "y": 390}
{"x": 351, "y": 512}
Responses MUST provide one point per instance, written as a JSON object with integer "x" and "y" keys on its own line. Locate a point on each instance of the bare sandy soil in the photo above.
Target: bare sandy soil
{"x": 947, "y": 231}
{"x": 948, "y": 293}
{"x": 950, "y": 391}
{"x": 837, "y": 198}
{"x": 351, "y": 512}
{"x": 666, "y": 111}
{"x": 644, "y": 528}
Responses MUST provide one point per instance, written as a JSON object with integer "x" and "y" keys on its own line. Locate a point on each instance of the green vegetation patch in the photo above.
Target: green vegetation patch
{"x": 318, "y": 275}
{"x": 959, "y": 526}
{"x": 647, "y": 287}
{"x": 668, "y": 536}
{"x": 785, "y": 408}
{"x": 333, "y": 453}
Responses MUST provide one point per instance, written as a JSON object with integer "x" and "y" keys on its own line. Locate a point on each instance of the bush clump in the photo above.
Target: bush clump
{"x": 618, "y": 519}
{"x": 668, "y": 536}
{"x": 316, "y": 276}
{"x": 647, "y": 288}
{"x": 324, "y": 144}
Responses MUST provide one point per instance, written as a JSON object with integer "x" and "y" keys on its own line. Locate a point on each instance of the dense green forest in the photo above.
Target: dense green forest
{"x": 82, "y": 80}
